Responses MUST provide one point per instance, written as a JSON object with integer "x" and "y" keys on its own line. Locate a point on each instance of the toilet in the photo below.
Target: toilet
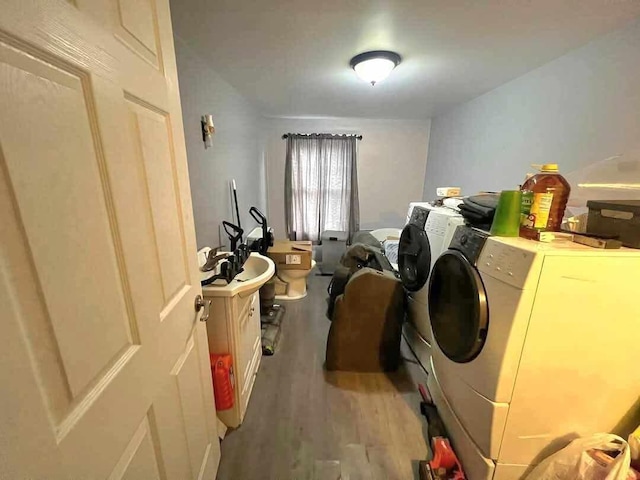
{"x": 292, "y": 284}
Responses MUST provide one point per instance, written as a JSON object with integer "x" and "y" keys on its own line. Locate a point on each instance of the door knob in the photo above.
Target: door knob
{"x": 201, "y": 303}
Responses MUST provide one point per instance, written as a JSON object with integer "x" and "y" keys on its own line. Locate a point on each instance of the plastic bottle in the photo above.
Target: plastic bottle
{"x": 544, "y": 199}
{"x": 223, "y": 381}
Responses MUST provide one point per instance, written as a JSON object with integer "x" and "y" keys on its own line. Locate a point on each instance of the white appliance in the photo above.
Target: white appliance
{"x": 439, "y": 226}
{"x": 534, "y": 344}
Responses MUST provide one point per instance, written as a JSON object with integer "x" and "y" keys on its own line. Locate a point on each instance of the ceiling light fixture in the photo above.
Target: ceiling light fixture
{"x": 373, "y": 67}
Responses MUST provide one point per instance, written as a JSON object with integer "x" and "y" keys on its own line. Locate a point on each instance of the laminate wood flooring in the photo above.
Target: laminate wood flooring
{"x": 304, "y": 423}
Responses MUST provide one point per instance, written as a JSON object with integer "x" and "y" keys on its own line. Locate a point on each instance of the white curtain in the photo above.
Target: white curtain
{"x": 321, "y": 185}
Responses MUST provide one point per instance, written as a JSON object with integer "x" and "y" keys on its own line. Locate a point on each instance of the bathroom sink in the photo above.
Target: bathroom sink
{"x": 258, "y": 269}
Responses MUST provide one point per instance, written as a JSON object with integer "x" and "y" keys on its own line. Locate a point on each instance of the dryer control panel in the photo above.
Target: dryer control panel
{"x": 506, "y": 262}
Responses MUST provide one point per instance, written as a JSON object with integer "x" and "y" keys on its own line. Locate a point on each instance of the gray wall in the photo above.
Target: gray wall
{"x": 576, "y": 110}
{"x": 235, "y": 154}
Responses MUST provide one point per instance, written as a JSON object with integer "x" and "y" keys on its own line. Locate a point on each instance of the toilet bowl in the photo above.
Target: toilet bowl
{"x": 293, "y": 282}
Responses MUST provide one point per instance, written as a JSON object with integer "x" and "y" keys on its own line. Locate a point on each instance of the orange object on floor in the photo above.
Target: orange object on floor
{"x": 223, "y": 381}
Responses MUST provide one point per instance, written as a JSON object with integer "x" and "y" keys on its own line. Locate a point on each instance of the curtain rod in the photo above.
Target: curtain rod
{"x": 286, "y": 135}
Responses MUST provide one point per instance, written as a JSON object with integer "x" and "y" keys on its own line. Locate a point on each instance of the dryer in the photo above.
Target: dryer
{"x": 439, "y": 224}
{"x": 533, "y": 344}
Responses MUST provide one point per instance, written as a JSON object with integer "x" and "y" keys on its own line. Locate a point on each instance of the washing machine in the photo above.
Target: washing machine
{"x": 438, "y": 224}
{"x": 534, "y": 344}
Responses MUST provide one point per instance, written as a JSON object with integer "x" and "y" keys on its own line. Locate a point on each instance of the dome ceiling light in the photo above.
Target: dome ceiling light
{"x": 375, "y": 66}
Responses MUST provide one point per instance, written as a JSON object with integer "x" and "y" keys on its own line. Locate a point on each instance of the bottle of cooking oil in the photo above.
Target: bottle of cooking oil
{"x": 544, "y": 199}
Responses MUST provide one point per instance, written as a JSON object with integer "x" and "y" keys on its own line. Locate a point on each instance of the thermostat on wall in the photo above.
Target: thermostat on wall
{"x": 448, "y": 191}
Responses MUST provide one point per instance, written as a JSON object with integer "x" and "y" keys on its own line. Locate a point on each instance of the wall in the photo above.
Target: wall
{"x": 391, "y": 163}
{"x": 235, "y": 154}
{"x": 576, "y": 110}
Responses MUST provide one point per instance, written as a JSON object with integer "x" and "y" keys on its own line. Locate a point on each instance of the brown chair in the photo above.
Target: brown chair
{"x": 367, "y": 324}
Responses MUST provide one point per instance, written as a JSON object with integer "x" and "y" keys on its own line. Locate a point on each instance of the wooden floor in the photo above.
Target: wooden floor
{"x": 305, "y": 423}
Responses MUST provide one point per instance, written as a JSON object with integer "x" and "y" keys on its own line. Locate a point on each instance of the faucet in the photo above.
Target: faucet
{"x": 213, "y": 259}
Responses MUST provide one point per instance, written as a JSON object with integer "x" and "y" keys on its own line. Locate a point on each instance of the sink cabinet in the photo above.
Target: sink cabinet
{"x": 234, "y": 327}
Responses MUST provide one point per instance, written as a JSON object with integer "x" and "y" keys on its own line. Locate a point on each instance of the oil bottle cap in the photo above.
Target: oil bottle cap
{"x": 547, "y": 167}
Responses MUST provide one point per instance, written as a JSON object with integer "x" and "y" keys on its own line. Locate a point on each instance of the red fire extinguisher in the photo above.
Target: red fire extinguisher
{"x": 223, "y": 381}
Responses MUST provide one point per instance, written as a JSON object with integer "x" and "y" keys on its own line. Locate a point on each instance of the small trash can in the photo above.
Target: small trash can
{"x": 334, "y": 245}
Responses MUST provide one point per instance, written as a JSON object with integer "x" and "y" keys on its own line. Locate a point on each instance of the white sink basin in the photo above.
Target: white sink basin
{"x": 258, "y": 269}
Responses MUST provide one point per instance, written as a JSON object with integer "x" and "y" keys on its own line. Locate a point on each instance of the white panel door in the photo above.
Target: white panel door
{"x": 104, "y": 364}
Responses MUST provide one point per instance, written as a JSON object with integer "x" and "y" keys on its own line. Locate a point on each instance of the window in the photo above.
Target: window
{"x": 321, "y": 185}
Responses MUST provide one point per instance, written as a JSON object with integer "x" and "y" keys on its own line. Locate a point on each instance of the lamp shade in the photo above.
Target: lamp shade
{"x": 373, "y": 67}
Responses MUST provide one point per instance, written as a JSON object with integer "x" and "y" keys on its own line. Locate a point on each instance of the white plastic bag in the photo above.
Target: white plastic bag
{"x": 574, "y": 462}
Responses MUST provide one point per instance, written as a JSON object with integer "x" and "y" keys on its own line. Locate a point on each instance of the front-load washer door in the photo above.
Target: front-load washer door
{"x": 414, "y": 257}
{"x": 458, "y": 307}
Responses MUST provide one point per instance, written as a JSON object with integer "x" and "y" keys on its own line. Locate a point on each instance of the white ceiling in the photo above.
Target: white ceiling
{"x": 291, "y": 58}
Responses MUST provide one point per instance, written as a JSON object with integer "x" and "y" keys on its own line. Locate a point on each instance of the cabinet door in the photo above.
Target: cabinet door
{"x": 249, "y": 350}
{"x": 248, "y": 330}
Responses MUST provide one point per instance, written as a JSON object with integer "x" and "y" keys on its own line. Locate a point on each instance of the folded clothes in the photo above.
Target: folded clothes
{"x": 479, "y": 210}
{"x": 477, "y": 222}
{"x": 489, "y": 200}
{"x": 485, "y": 204}
{"x": 473, "y": 216}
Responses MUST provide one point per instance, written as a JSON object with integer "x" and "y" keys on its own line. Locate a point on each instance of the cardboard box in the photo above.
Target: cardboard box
{"x": 288, "y": 255}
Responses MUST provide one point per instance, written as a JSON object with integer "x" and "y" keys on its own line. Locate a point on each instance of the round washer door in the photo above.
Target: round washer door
{"x": 458, "y": 307}
{"x": 414, "y": 257}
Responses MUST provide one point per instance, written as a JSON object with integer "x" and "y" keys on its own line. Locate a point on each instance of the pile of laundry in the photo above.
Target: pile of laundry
{"x": 478, "y": 210}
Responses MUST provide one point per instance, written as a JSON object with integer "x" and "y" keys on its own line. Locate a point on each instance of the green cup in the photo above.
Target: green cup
{"x": 506, "y": 222}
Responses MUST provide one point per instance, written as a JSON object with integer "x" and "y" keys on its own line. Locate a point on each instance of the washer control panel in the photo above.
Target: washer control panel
{"x": 437, "y": 223}
{"x": 419, "y": 217}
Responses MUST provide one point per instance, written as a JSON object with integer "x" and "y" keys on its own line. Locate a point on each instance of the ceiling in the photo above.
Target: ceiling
{"x": 291, "y": 58}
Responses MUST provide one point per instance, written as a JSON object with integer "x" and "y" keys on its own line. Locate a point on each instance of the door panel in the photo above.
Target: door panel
{"x": 75, "y": 324}
{"x": 106, "y": 359}
{"x": 62, "y": 199}
{"x": 153, "y": 142}
{"x": 137, "y": 17}
{"x": 139, "y": 458}
{"x": 193, "y": 410}
{"x": 134, "y": 23}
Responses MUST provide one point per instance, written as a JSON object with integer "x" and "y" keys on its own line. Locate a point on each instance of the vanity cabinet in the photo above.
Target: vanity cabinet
{"x": 234, "y": 327}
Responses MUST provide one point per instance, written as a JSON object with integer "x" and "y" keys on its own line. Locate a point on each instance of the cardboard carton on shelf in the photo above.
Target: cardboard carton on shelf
{"x": 291, "y": 255}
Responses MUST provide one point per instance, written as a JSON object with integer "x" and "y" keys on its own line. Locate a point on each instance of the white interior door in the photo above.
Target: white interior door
{"x": 104, "y": 365}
